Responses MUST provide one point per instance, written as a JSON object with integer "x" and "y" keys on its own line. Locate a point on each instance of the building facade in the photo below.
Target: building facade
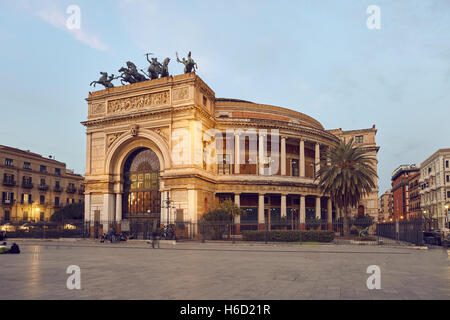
{"x": 435, "y": 186}
{"x": 364, "y": 138}
{"x": 400, "y": 190}
{"x": 167, "y": 150}
{"x": 34, "y": 187}
{"x": 385, "y": 206}
{"x": 414, "y": 207}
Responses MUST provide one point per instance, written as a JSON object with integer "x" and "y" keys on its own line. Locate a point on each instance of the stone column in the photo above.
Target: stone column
{"x": 237, "y": 219}
{"x": 108, "y": 211}
{"x": 283, "y": 206}
{"x": 192, "y": 209}
{"x": 301, "y": 162}
{"x": 237, "y": 154}
{"x": 283, "y": 156}
{"x": 329, "y": 214}
{"x": 87, "y": 208}
{"x": 302, "y": 212}
{"x": 317, "y": 160}
{"x": 318, "y": 215}
{"x": 261, "y": 218}
{"x": 118, "y": 210}
{"x": 261, "y": 154}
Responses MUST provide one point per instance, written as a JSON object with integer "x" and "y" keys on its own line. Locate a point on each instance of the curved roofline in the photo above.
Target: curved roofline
{"x": 229, "y": 102}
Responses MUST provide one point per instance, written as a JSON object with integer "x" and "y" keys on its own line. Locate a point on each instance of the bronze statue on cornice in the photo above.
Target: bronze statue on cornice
{"x": 105, "y": 80}
{"x": 189, "y": 63}
{"x": 130, "y": 73}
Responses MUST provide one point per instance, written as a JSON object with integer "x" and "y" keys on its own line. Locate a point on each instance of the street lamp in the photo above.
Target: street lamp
{"x": 446, "y": 211}
{"x": 168, "y": 204}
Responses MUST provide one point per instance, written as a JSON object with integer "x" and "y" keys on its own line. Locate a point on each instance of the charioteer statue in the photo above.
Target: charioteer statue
{"x": 130, "y": 74}
{"x": 157, "y": 69}
{"x": 189, "y": 63}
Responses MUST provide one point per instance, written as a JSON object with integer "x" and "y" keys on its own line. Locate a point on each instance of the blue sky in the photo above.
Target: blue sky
{"x": 317, "y": 57}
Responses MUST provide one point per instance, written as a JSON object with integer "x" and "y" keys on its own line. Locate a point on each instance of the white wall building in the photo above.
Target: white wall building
{"x": 435, "y": 185}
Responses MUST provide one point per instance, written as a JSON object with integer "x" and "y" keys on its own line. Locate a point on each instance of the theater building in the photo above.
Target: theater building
{"x": 167, "y": 151}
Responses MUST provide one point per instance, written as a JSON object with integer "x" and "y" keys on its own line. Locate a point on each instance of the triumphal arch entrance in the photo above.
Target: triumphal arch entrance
{"x": 144, "y": 166}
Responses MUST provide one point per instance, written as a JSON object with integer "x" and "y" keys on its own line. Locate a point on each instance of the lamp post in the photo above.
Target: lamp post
{"x": 168, "y": 204}
{"x": 446, "y": 211}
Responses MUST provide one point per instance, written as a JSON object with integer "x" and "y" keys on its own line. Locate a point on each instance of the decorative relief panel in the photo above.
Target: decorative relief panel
{"x": 97, "y": 199}
{"x": 111, "y": 138}
{"x": 162, "y": 132}
{"x": 180, "y": 94}
{"x": 97, "y": 155}
{"x": 138, "y": 103}
{"x": 98, "y": 108}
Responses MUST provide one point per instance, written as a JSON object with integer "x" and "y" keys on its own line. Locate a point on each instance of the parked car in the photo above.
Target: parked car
{"x": 433, "y": 237}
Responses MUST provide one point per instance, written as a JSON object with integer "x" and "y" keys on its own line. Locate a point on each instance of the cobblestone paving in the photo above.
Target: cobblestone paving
{"x": 222, "y": 271}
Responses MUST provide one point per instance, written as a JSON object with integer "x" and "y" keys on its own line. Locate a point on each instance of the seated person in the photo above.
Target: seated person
{"x": 3, "y": 248}
{"x": 14, "y": 249}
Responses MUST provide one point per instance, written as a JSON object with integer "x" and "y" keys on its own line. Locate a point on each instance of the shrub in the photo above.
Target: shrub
{"x": 289, "y": 236}
{"x": 73, "y": 211}
{"x": 363, "y": 221}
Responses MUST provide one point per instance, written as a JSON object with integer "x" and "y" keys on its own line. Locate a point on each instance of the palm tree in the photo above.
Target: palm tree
{"x": 348, "y": 176}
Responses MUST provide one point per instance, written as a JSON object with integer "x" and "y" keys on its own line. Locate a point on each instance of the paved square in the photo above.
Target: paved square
{"x": 222, "y": 271}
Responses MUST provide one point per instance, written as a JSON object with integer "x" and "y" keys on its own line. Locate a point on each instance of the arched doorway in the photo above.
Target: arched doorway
{"x": 142, "y": 199}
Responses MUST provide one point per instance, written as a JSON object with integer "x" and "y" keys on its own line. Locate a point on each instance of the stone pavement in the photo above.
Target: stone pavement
{"x": 222, "y": 271}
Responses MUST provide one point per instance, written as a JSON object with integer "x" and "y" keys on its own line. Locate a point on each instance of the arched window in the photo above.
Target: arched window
{"x": 141, "y": 185}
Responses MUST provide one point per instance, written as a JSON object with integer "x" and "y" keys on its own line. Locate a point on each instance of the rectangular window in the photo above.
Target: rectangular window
{"x": 7, "y": 215}
{"x": 25, "y": 216}
{"x": 9, "y": 162}
{"x": 448, "y": 194}
{"x": 58, "y": 171}
{"x": 448, "y": 178}
{"x": 57, "y": 184}
{"x": 42, "y": 182}
{"x": 43, "y": 169}
{"x": 27, "y": 165}
{"x": 359, "y": 139}
{"x": 56, "y": 201}
{"x": 294, "y": 170}
{"x": 42, "y": 216}
{"x": 7, "y": 197}
{"x": 446, "y": 163}
{"x": 42, "y": 199}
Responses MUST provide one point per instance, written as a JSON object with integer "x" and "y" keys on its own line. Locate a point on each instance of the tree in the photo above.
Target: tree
{"x": 348, "y": 176}
{"x": 218, "y": 219}
{"x": 73, "y": 211}
{"x": 225, "y": 212}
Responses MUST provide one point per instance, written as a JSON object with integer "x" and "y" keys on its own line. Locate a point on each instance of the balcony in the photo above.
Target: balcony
{"x": 71, "y": 190}
{"x": 43, "y": 187}
{"x": 8, "y": 202}
{"x": 27, "y": 185}
{"x": 9, "y": 183}
{"x": 57, "y": 189}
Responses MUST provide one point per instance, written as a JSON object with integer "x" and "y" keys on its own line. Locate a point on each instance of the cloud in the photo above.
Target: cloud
{"x": 52, "y": 13}
{"x": 58, "y": 20}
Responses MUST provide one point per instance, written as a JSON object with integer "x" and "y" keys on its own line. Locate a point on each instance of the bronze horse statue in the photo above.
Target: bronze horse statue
{"x": 105, "y": 80}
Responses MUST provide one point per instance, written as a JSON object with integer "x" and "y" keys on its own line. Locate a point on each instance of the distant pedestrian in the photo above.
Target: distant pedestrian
{"x": 112, "y": 234}
{"x": 155, "y": 240}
